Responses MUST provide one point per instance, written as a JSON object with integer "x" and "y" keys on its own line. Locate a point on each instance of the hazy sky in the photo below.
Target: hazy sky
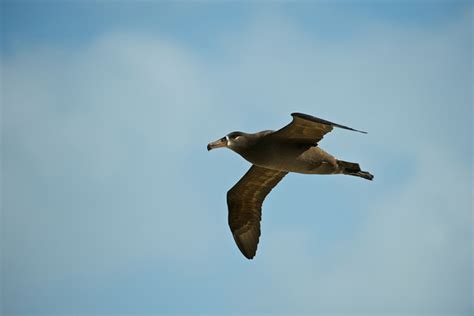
{"x": 112, "y": 205}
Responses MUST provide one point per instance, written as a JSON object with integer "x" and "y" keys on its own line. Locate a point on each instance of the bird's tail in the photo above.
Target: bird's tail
{"x": 353, "y": 169}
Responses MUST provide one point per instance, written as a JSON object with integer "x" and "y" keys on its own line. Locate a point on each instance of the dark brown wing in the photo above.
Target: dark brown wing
{"x": 307, "y": 129}
{"x": 244, "y": 201}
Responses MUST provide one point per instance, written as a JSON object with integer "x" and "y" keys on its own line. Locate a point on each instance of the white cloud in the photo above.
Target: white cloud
{"x": 86, "y": 132}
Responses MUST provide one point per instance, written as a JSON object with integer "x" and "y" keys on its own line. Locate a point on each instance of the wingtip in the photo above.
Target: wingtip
{"x": 249, "y": 257}
{"x": 248, "y": 252}
{"x": 350, "y": 128}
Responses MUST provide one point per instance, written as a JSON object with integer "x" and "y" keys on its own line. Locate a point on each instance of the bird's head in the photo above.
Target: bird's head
{"x": 234, "y": 141}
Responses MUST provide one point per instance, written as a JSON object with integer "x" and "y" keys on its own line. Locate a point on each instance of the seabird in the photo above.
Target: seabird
{"x": 293, "y": 148}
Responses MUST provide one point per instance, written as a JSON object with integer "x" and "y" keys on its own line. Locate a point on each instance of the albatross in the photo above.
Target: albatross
{"x": 273, "y": 154}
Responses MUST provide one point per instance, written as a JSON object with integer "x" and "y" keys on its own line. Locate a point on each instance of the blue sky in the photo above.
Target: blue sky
{"x": 112, "y": 205}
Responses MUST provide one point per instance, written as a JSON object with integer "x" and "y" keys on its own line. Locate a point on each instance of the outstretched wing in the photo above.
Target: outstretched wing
{"x": 244, "y": 201}
{"x": 307, "y": 129}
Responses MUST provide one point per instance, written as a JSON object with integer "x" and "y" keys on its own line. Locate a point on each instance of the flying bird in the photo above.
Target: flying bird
{"x": 293, "y": 148}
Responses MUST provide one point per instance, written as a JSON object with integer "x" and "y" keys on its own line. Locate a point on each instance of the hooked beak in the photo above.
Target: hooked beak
{"x": 218, "y": 143}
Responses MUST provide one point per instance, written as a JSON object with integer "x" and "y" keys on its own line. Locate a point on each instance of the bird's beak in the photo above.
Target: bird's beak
{"x": 218, "y": 143}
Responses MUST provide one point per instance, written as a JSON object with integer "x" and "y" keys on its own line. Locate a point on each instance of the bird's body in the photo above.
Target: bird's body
{"x": 273, "y": 154}
{"x": 289, "y": 157}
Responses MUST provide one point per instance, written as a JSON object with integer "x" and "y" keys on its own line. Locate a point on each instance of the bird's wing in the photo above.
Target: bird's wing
{"x": 307, "y": 129}
{"x": 244, "y": 201}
